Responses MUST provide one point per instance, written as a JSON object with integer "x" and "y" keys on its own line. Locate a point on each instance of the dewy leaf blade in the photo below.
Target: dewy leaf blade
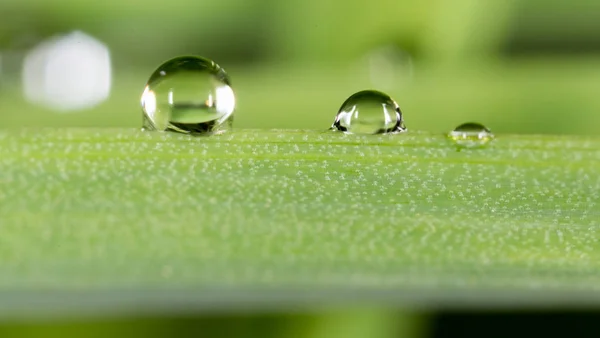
{"x": 97, "y": 210}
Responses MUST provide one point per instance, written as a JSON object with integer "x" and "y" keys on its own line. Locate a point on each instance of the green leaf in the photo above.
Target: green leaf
{"x": 103, "y": 210}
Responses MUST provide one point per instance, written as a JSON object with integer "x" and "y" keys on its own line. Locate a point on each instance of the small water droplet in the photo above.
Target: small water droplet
{"x": 188, "y": 94}
{"x": 369, "y": 112}
{"x": 471, "y": 135}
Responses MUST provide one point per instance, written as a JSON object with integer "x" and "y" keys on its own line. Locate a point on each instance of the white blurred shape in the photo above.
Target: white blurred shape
{"x": 389, "y": 66}
{"x": 69, "y": 72}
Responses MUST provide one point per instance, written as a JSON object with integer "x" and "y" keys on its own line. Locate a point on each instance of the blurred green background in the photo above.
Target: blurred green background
{"x": 518, "y": 66}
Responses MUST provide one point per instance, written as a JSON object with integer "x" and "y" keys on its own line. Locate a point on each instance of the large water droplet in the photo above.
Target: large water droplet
{"x": 471, "y": 135}
{"x": 188, "y": 94}
{"x": 369, "y": 112}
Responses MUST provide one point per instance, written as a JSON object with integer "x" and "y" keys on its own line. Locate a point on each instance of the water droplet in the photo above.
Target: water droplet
{"x": 471, "y": 135}
{"x": 188, "y": 94}
{"x": 369, "y": 112}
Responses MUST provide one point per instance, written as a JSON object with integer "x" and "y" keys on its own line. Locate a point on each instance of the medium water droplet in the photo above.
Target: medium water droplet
{"x": 188, "y": 94}
{"x": 471, "y": 135}
{"x": 369, "y": 112}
